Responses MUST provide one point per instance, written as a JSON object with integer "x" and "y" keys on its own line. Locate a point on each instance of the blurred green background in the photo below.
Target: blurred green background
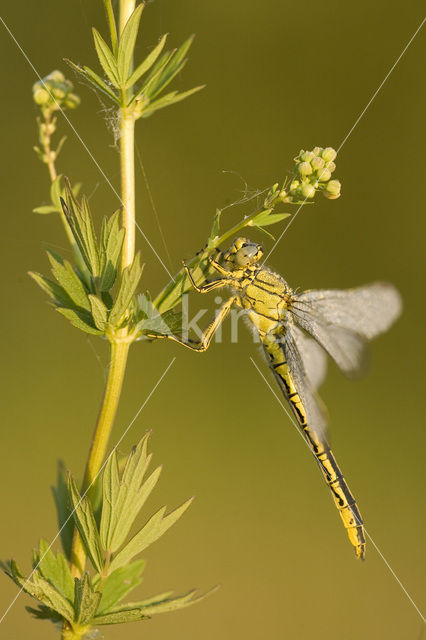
{"x": 280, "y": 76}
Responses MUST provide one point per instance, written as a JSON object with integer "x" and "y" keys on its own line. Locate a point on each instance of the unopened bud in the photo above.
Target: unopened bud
{"x": 317, "y": 163}
{"x": 329, "y": 154}
{"x": 304, "y": 168}
{"x": 308, "y": 190}
{"x": 331, "y": 166}
{"x": 324, "y": 174}
{"x": 317, "y": 151}
{"x": 294, "y": 185}
{"x": 56, "y": 76}
{"x": 41, "y": 97}
{"x": 332, "y": 190}
{"x": 307, "y": 156}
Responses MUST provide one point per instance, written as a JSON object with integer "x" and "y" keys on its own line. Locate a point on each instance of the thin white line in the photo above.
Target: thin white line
{"x": 353, "y": 127}
{"x": 82, "y": 141}
{"x": 85, "y": 493}
{"x": 369, "y": 536}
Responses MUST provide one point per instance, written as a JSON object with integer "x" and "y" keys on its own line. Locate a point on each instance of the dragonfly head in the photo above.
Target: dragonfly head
{"x": 242, "y": 253}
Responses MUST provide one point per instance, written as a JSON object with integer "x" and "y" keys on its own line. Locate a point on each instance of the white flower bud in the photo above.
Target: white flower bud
{"x": 308, "y": 190}
{"x": 324, "y": 174}
{"x": 304, "y": 168}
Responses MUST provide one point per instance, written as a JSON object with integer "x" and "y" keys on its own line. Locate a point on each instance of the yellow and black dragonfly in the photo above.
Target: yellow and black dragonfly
{"x": 340, "y": 323}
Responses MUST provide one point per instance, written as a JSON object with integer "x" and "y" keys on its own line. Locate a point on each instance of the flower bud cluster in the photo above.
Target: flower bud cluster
{"x": 55, "y": 92}
{"x": 313, "y": 170}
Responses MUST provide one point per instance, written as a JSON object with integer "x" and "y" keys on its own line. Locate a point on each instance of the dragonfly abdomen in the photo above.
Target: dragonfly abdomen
{"x": 342, "y": 496}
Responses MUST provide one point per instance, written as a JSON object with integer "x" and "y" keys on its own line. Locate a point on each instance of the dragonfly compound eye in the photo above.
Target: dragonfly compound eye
{"x": 248, "y": 254}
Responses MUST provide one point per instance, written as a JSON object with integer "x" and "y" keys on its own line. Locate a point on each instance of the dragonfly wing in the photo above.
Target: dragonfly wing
{"x": 313, "y": 356}
{"x": 343, "y": 321}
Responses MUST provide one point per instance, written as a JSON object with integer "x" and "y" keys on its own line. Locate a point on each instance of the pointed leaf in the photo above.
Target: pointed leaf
{"x": 55, "y": 570}
{"x": 99, "y": 312}
{"x": 98, "y": 83}
{"x": 265, "y": 218}
{"x": 175, "y": 65}
{"x": 131, "y": 615}
{"x": 52, "y": 289}
{"x": 106, "y": 58}
{"x": 127, "y": 43}
{"x": 112, "y": 25}
{"x": 129, "y": 281}
{"x": 69, "y": 281}
{"x": 133, "y": 492}
{"x": 169, "y": 99}
{"x": 112, "y": 238}
{"x": 52, "y": 598}
{"x": 45, "y": 209}
{"x": 154, "y": 529}
{"x": 80, "y": 220}
{"x": 146, "y": 64}
{"x": 111, "y": 488}
{"x": 119, "y": 583}
{"x": 78, "y": 322}
{"x": 86, "y": 600}
{"x": 65, "y": 522}
{"x": 85, "y": 520}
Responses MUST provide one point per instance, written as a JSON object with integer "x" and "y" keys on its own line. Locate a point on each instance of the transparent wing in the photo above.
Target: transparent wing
{"x": 342, "y": 321}
{"x": 313, "y": 357}
{"x": 315, "y": 411}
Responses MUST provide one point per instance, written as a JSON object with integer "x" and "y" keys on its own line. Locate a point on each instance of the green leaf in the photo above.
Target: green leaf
{"x": 45, "y": 209}
{"x": 154, "y": 529}
{"x": 111, "y": 23}
{"x": 52, "y": 598}
{"x": 80, "y": 220}
{"x": 146, "y": 64}
{"x": 168, "y": 99}
{"x": 133, "y": 492}
{"x": 85, "y": 520}
{"x": 155, "y": 73}
{"x": 69, "y": 281}
{"x": 112, "y": 237}
{"x": 162, "y": 603}
{"x": 119, "y": 583}
{"x": 129, "y": 281}
{"x": 130, "y": 615}
{"x": 56, "y": 192}
{"x": 39, "y": 588}
{"x": 55, "y": 570}
{"x": 174, "y": 66}
{"x": 94, "y": 79}
{"x": 77, "y": 321}
{"x": 100, "y": 84}
{"x": 265, "y": 218}
{"x": 99, "y": 312}
{"x": 127, "y": 43}
{"x": 86, "y": 600}
{"x": 106, "y": 58}
{"x": 111, "y": 487}
{"x": 65, "y": 522}
{"x": 52, "y": 289}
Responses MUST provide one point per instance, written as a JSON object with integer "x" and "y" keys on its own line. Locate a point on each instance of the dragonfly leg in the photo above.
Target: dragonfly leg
{"x": 208, "y": 334}
{"x": 214, "y": 284}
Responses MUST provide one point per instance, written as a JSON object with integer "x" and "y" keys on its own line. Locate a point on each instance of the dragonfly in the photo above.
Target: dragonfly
{"x": 296, "y": 331}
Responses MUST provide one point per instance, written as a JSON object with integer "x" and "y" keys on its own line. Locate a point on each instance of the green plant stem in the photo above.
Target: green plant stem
{"x": 127, "y": 160}
{"x": 121, "y": 342}
{"x": 119, "y": 352}
{"x": 126, "y": 9}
